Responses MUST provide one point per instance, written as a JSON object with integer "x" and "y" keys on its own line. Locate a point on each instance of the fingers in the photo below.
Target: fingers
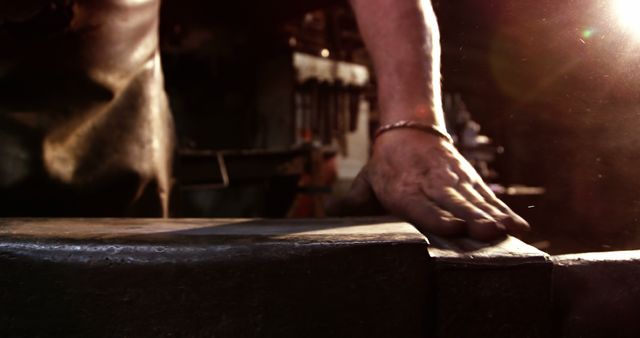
{"x": 511, "y": 224}
{"x": 359, "y": 201}
{"x": 487, "y": 200}
{"x": 442, "y": 206}
{"x": 418, "y": 210}
{"x": 517, "y": 225}
{"x": 481, "y": 224}
{"x": 467, "y": 191}
{"x": 415, "y": 208}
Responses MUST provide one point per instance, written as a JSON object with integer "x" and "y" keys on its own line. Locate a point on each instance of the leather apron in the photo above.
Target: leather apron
{"x": 85, "y": 128}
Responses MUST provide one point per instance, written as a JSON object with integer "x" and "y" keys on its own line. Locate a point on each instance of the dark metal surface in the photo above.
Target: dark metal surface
{"x": 300, "y": 278}
{"x": 205, "y": 278}
{"x": 597, "y": 294}
{"x": 490, "y": 290}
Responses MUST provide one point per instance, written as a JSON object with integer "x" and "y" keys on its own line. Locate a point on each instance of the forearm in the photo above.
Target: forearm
{"x": 412, "y": 174}
{"x": 403, "y": 39}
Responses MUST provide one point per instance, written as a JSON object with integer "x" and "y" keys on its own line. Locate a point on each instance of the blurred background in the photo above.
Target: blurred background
{"x": 275, "y": 107}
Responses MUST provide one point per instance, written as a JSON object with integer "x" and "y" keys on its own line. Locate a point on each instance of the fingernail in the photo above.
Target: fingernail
{"x": 525, "y": 224}
{"x": 519, "y": 219}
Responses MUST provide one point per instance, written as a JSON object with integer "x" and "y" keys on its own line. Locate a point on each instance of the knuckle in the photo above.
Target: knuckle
{"x": 435, "y": 192}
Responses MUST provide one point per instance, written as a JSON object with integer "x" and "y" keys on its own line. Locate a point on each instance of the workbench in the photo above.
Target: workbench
{"x": 363, "y": 277}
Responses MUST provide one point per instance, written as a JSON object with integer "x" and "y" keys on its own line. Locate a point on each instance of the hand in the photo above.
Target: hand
{"x": 424, "y": 179}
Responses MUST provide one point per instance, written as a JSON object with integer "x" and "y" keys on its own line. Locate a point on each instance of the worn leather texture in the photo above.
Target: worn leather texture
{"x": 84, "y": 117}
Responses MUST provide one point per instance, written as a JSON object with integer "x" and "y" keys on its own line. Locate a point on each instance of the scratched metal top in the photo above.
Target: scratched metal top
{"x": 351, "y": 229}
{"x": 210, "y": 237}
{"x": 179, "y": 240}
{"x": 509, "y": 250}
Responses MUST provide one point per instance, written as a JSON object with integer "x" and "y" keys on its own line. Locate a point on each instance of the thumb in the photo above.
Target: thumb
{"x": 359, "y": 201}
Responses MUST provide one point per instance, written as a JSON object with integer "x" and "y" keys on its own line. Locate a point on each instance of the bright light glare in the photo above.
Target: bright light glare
{"x": 628, "y": 12}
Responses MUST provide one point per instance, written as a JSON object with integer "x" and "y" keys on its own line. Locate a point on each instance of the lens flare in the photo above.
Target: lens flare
{"x": 588, "y": 33}
{"x": 628, "y": 13}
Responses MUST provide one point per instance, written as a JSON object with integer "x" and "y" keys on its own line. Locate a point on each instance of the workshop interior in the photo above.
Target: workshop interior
{"x": 276, "y": 116}
{"x": 275, "y": 110}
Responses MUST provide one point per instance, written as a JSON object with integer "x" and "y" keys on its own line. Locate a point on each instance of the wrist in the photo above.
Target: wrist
{"x": 423, "y": 113}
{"x": 397, "y": 140}
{"x": 426, "y": 128}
